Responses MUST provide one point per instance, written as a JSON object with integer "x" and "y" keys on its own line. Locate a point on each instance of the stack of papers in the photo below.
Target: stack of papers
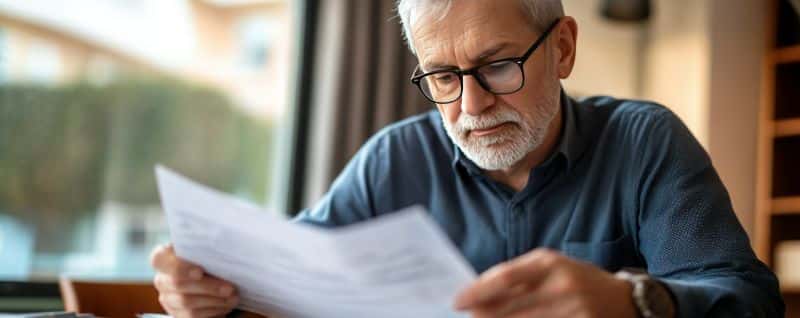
{"x": 400, "y": 265}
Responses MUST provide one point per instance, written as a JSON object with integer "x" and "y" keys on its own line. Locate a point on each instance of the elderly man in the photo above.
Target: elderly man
{"x": 555, "y": 201}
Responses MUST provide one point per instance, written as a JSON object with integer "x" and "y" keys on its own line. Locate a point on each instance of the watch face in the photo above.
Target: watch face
{"x": 658, "y": 298}
{"x": 651, "y": 297}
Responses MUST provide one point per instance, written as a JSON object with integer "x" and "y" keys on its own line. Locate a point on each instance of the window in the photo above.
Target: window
{"x": 78, "y": 195}
{"x": 100, "y": 70}
{"x": 255, "y": 39}
{"x": 3, "y": 56}
{"x": 43, "y": 62}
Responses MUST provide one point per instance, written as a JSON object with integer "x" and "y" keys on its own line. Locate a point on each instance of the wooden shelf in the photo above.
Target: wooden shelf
{"x": 778, "y": 168}
{"x": 786, "y": 205}
{"x": 787, "y": 127}
{"x": 794, "y": 289}
{"x": 785, "y": 55}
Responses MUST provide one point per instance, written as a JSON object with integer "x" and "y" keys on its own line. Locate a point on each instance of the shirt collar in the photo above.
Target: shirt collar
{"x": 571, "y": 144}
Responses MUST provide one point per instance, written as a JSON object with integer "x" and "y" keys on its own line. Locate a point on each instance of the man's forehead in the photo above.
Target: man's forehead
{"x": 434, "y": 59}
{"x": 477, "y": 29}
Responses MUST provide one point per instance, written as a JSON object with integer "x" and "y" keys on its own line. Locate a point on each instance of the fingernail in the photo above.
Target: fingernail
{"x": 195, "y": 274}
{"x": 468, "y": 300}
{"x": 226, "y": 291}
{"x": 460, "y": 304}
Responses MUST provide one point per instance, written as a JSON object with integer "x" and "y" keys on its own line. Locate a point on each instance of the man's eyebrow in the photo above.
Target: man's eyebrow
{"x": 490, "y": 52}
{"x": 481, "y": 58}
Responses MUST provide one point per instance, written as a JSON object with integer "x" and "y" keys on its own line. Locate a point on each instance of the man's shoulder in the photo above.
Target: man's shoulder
{"x": 423, "y": 121}
{"x": 628, "y": 129}
{"x": 424, "y": 126}
{"x": 627, "y": 116}
{"x": 625, "y": 109}
{"x": 419, "y": 132}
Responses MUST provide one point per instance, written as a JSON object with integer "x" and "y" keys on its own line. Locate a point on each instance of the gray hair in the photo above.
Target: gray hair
{"x": 541, "y": 13}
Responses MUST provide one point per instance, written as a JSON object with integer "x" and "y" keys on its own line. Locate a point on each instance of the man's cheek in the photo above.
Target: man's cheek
{"x": 449, "y": 112}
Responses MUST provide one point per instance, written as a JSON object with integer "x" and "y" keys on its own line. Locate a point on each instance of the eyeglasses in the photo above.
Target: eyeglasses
{"x": 504, "y": 76}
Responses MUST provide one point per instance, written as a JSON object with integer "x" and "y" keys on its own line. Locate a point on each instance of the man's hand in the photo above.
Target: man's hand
{"x": 544, "y": 283}
{"x": 186, "y": 291}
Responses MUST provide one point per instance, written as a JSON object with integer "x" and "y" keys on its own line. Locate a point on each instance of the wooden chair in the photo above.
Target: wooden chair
{"x": 109, "y": 299}
{"x": 115, "y": 299}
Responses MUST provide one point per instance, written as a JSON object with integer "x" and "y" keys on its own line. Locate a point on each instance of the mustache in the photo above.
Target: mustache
{"x": 468, "y": 122}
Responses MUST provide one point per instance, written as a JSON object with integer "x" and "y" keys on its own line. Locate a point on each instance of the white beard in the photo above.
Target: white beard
{"x": 505, "y": 148}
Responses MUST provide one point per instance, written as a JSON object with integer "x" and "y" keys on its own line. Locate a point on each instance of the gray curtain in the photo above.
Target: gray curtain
{"x": 360, "y": 84}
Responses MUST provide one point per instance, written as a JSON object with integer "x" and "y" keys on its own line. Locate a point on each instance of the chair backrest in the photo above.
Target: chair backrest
{"x": 109, "y": 299}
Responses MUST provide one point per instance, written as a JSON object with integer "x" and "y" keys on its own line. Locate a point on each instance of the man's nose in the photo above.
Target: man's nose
{"x": 474, "y": 98}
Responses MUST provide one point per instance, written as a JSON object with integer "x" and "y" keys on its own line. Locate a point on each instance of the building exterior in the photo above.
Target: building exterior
{"x": 240, "y": 47}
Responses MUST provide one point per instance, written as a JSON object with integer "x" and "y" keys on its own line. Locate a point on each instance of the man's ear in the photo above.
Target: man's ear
{"x": 567, "y": 37}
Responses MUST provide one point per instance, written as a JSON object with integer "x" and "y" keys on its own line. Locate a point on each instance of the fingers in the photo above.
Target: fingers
{"x": 200, "y": 313}
{"x": 184, "y": 302}
{"x": 180, "y": 304}
{"x": 185, "y": 291}
{"x": 209, "y": 286}
{"x": 165, "y": 261}
{"x": 528, "y": 304}
{"x": 518, "y": 297}
{"x": 179, "y": 276}
{"x": 548, "y": 308}
{"x": 529, "y": 270}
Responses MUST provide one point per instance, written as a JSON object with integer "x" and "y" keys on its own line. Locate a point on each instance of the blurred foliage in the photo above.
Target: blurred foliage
{"x": 66, "y": 149}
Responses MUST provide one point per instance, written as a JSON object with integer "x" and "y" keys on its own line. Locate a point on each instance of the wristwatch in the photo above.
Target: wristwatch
{"x": 651, "y": 297}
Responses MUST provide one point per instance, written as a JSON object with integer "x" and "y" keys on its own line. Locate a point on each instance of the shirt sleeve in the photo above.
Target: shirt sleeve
{"x": 689, "y": 235}
{"x": 350, "y": 197}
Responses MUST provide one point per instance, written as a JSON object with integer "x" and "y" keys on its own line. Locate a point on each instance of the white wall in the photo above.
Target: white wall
{"x": 677, "y": 63}
{"x": 606, "y": 60}
{"x": 700, "y": 58}
{"x": 704, "y": 62}
{"x": 737, "y": 47}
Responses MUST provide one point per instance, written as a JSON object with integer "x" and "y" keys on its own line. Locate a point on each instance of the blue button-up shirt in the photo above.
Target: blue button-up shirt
{"x": 627, "y": 186}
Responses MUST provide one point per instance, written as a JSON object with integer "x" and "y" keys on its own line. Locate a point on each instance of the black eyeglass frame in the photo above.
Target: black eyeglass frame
{"x": 519, "y": 61}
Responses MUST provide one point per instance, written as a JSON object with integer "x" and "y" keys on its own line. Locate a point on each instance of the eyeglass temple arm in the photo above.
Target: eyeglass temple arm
{"x": 540, "y": 40}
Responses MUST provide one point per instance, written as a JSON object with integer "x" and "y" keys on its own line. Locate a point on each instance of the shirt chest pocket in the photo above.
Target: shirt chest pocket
{"x": 609, "y": 255}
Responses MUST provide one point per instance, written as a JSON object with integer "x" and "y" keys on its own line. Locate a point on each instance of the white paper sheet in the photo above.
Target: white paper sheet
{"x": 400, "y": 265}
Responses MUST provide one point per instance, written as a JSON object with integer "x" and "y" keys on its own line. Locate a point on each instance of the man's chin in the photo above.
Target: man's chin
{"x": 496, "y": 143}
{"x": 494, "y": 156}
{"x": 494, "y": 163}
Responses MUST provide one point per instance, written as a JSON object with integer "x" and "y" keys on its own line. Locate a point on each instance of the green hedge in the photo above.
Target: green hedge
{"x": 66, "y": 149}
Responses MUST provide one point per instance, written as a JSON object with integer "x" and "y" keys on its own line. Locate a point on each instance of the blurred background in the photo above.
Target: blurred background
{"x": 93, "y": 93}
{"x": 268, "y": 99}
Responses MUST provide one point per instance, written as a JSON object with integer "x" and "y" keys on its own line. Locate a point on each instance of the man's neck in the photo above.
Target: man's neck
{"x": 517, "y": 175}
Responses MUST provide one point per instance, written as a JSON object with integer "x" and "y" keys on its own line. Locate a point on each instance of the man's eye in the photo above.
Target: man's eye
{"x": 497, "y": 67}
{"x": 444, "y": 78}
